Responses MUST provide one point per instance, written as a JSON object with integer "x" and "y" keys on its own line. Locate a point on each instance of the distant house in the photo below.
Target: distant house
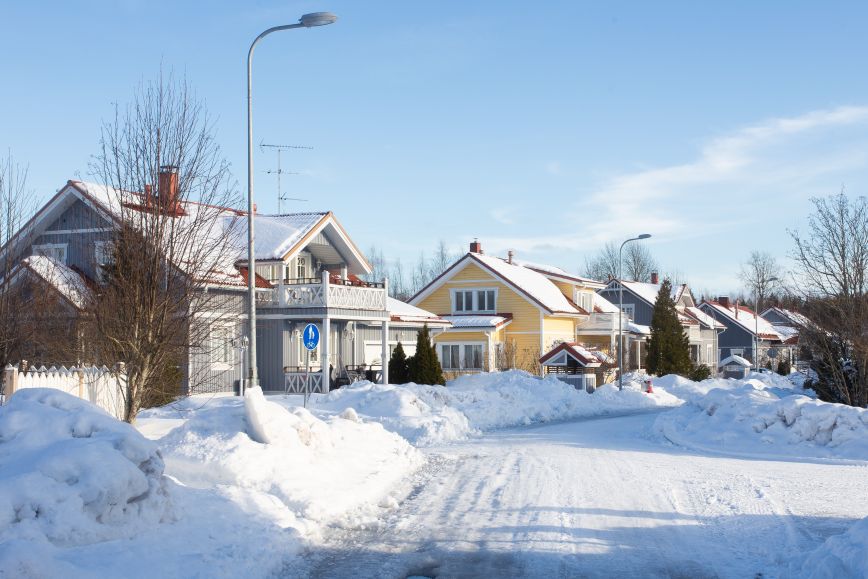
{"x": 505, "y": 313}
{"x": 747, "y": 335}
{"x": 701, "y": 329}
{"x": 308, "y": 270}
{"x": 786, "y": 322}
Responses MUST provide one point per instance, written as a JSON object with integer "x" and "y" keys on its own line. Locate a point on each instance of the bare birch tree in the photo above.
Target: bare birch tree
{"x": 832, "y": 273}
{"x": 16, "y": 300}
{"x": 168, "y": 187}
{"x": 638, "y": 264}
{"x": 761, "y": 275}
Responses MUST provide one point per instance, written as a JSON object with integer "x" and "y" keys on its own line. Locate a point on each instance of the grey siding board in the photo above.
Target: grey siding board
{"x": 643, "y": 311}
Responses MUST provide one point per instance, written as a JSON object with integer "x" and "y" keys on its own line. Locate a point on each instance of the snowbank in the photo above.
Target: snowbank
{"x": 287, "y": 464}
{"x": 750, "y": 418}
{"x": 72, "y": 475}
{"x": 427, "y": 415}
{"x": 844, "y": 555}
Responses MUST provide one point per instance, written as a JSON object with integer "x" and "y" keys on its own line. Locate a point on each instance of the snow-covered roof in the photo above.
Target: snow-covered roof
{"x": 649, "y": 291}
{"x": 276, "y": 235}
{"x": 747, "y": 319}
{"x": 477, "y": 321}
{"x": 604, "y": 306}
{"x": 734, "y": 359}
{"x": 557, "y": 272}
{"x": 582, "y": 355}
{"x": 703, "y": 318}
{"x": 532, "y": 283}
{"x": 404, "y": 312}
{"x": 69, "y": 283}
{"x": 638, "y": 329}
{"x": 794, "y": 318}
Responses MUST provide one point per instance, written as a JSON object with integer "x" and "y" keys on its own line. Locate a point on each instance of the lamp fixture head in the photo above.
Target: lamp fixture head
{"x": 317, "y": 19}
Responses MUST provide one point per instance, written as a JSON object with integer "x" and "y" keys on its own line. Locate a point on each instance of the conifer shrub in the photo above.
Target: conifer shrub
{"x": 669, "y": 347}
{"x": 424, "y": 367}
{"x": 399, "y": 370}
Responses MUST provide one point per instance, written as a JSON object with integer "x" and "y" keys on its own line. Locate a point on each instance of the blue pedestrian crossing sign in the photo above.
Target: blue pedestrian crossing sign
{"x": 310, "y": 337}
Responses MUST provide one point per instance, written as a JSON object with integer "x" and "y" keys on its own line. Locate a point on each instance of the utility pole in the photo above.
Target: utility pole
{"x": 279, "y": 172}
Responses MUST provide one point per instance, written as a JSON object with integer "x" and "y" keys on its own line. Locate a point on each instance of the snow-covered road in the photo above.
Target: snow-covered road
{"x": 596, "y": 498}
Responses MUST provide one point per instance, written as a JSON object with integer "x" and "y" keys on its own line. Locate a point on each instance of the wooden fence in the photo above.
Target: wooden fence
{"x": 100, "y": 386}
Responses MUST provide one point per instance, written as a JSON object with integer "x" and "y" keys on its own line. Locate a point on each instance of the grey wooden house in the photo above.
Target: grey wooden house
{"x": 307, "y": 271}
{"x": 748, "y": 335}
{"x": 701, "y": 329}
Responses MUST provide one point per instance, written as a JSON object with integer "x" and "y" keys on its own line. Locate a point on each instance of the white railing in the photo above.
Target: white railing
{"x": 302, "y": 383}
{"x": 100, "y": 386}
{"x": 324, "y": 294}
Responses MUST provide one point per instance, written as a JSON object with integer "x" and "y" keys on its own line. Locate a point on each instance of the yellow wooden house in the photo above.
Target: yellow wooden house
{"x": 505, "y": 313}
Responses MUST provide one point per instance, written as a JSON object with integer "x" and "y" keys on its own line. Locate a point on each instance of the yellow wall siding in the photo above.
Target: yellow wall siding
{"x": 557, "y": 329}
{"x": 566, "y": 288}
{"x": 525, "y": 315}
{"x": 461, "y": 337}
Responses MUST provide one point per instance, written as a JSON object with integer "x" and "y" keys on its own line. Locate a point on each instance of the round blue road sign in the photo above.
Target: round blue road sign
{"x": 310, "y": 337}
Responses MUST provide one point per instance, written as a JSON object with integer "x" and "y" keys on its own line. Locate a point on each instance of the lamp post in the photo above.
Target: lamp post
{"x": 621, "y": 309}
{"x": 306, "y": 21}
{"x": 759, "y": 296}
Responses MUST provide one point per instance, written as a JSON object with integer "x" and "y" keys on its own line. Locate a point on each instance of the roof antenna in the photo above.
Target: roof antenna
{"x": 279, "y": 171}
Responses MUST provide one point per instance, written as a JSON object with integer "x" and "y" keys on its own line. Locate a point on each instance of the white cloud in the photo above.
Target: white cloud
{"x": 767, "y": 161}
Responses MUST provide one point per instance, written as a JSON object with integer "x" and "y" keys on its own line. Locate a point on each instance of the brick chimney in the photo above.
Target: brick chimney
{"x": 655, "y": 279}
{"x": 509, "y": 255}
{"x": 736, "y": 308}
{"x": 149, "y": 196}
{"x": 168, "y": 190}
{"x": 475, "y": 246}
{"x": 724, "y": 301}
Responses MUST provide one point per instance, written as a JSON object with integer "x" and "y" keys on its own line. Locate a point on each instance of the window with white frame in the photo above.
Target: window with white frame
{"x": 221, "y": 344}
{"x": 462, "y": 356}
{"x": 585, "y": 300}
{"x": 629, "y": 310}
{"x": 483, "y": 300}
{"x": 102, "y": 257}
{"x": 53, "y": 250}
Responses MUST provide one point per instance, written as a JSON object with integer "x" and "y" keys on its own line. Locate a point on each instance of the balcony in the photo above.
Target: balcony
{"x": 324, "y": 293}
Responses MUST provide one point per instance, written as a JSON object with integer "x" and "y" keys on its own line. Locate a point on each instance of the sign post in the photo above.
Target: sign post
{"x": 310, "y": 339}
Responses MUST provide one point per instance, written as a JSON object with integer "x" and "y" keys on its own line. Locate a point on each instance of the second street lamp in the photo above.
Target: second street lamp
{"x": 306, "y": 21}
{"x": 621, "y": 309}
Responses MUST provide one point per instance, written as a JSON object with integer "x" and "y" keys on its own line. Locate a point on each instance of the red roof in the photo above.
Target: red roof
{"x": 576, "y": 351}
{"x": 261, "y": 282}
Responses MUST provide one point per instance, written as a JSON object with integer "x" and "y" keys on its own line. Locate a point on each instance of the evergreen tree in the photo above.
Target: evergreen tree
{"x": 424, "y": 366}
{"x": 669, "y": 348}
{"x": 399, "y": 370}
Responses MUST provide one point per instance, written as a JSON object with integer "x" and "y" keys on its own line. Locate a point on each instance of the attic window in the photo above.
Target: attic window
{"x": 56, "y": 251}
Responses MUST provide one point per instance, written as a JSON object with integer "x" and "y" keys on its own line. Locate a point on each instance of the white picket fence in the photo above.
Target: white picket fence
{"x": 98, "y": 385}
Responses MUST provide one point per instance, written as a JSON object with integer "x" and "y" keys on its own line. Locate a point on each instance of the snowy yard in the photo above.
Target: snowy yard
{"x": 496, "y": 475}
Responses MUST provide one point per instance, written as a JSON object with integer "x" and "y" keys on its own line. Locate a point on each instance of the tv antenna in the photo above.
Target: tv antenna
{"x": 280, "y": 196}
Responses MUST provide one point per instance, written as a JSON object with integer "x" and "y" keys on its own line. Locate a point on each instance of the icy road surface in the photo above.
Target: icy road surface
{"x": 596, "y": 498}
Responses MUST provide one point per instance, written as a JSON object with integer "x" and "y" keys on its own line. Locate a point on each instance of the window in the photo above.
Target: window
{"x": 53, "y": 250}
{"x": 102, "y": 257}
{"x": 629, "y": 310}
{"x": 455, "y": 357}
{"x": 478, "y": 300}
{"x": 221, "y": 344}
{"x": 301, "y": 267}
{"x": 694, "y": 353}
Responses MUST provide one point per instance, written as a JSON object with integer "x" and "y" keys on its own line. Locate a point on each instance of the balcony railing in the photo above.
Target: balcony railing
{"x": 324, "y": 292}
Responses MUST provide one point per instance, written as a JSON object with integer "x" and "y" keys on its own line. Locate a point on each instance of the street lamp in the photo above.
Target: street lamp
{"x": 759, "y": 296}
{"x": 306, "y": 21}
{"x": 621, "y": 309}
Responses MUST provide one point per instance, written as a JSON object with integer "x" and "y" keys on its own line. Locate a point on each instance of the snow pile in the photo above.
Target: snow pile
{"x": 844, "y": 555}
{"x": 72, "y": 475}
{"x": 427, "y": 415}
{"x": 752, "y": 419}
{"x": 286, "y": 464}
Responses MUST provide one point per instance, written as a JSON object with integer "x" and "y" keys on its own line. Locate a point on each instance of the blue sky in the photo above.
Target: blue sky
{"x": 549, "y": 127}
